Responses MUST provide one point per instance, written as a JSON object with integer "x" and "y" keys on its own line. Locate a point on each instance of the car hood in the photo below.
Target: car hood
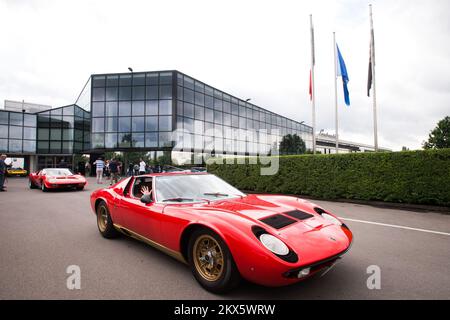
{"x": 314, "y": 238}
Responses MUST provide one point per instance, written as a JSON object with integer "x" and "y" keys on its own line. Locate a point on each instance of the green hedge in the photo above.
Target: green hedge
{"x": 420, "y": 177}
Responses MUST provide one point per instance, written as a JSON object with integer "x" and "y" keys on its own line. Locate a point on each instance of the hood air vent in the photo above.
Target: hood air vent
{"x": 300, "y": 215}
{"x": 278, "y": 221}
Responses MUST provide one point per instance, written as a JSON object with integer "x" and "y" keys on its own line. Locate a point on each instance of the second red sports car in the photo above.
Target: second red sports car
{"x": 56, "y": 178}
{"x": 222, "y": 233}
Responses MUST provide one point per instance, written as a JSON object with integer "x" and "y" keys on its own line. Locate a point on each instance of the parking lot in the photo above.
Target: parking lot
{"x": 44, "y": 233}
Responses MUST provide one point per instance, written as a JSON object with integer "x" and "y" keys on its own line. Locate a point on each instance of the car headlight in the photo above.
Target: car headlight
{"x": 332, "y": 219}
{"x": 274, "y": 244}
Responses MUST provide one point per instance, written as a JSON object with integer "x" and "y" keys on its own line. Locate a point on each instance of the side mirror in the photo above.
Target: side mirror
{"x": 146, "y": 199}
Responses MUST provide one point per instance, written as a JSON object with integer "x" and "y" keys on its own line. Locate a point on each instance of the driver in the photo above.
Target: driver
{"x": 146, "y": 194}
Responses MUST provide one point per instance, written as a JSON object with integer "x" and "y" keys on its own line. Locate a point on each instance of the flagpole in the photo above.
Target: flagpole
{"x": 313, "y": 87}
{"x": 372, "y": 52}
{"x": 335, "y": 93}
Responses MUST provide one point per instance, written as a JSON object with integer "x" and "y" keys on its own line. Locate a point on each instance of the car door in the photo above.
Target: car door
{"x": 143, "y": 219}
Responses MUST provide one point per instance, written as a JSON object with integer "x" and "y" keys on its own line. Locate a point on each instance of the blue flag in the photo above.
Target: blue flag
{"x": 342, "y": 71}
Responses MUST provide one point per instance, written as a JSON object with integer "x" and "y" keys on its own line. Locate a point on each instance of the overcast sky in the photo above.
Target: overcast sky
{"x": 251, "y": 49}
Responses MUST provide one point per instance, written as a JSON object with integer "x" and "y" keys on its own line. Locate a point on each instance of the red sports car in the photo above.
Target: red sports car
{"x": 220, "y": 232}
{"x": 56, "y": 178}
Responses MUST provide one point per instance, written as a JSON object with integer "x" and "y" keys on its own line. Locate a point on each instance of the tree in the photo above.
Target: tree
{"x": 292, "y": 144}
{"x": 439, "y": 138}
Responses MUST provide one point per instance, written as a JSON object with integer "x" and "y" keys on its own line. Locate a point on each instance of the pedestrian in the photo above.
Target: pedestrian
{"x": 135, "y": 169}
{"x": 114, "y": 171}
{"x": 2, "y": 172}
{"x": 107, "y": 171}
{"x": 99, "y": 164}
{"x": 130, "y": 170}
{"x": 142, "y": 166}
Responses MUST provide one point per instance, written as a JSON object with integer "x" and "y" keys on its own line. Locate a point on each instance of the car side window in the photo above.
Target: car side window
{"x": 139, "y": 183}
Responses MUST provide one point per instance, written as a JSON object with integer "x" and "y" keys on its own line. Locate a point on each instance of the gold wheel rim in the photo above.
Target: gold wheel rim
{"x": 208, "y": 258}
{"x": 102, "y": 218}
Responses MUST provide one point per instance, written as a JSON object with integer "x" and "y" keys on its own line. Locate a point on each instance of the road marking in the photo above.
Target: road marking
{"x": 396, "y": 226}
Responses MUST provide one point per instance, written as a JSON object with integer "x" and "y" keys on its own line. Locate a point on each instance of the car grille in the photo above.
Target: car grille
{"x": 278, "y": 221}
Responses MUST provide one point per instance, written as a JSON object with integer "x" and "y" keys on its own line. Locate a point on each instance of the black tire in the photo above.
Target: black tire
{"x": 229, "y": 277}
{"x": 43, "y": 187}
{"x": 105, "y": 224}
{"x": 80, "y": 188}
{"x": 31, "y": 185}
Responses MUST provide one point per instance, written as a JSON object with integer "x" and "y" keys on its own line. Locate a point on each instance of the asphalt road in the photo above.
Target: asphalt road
{"x": 43, "y": 233}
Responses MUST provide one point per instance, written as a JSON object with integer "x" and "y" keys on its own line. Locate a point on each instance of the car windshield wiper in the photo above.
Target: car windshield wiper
{"x": 216, "y": 194}
{"x": 179, "y": 199}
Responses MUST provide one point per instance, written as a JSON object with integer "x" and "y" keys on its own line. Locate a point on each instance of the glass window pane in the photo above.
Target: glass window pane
{"x": 151, "y": 139}
{"x": 43, "y": 134}
{"x": 55, "y": 146}
{"x": 42, "y": 146}
{"x": 29, "y": 133}
{"x": 165, "y": 92}
{"x": 98, "y": 140}
{"x": 188, "y": 95}
{"x": 3, "y": 131}
{"x": 165, "y": 139}
{"x": 217, "y": 117}
{"x": 98, "y": 94}
{"x": 151, "y": 124}
{"x": 125, "y": 80}
{"x": 151, "y": 107}
{"x": 125, "y": 93}
{"x": 29, "y": 120}
{"x": 111, "y": 109}
{"x": 112, "y": 93}
{"x": 138, "y": 93}
{"x": 111, "y": 124}
{"x": 16, "y": 119}
{"x": 165, "y": 107}
{"x": 138, "y": 140}
{"x": 124, "y": 140}
{"x": 152, "y": 93}
{"x": 29, "y": 146}
{"x": 98, "y": 124}
{"x": 15, "y": 132}
{"x": 112, "y": 81}
{"x": 68, "y": 134}
{"x": 138, "y": 79}
{"x": 209, "y": 90}
{"x": 217, "y": 104}
{"x": 4, "y": 116}
{"x": 188, "y": 82}
{"x": 199, "y": 99}
{"x": 124, "y": 108}
{"x": 209, "y": 115}
{"x": 199, "y": 87}
{"x": 209, "y": 102}
{"x": 137, "y": 124}
{"x": 165, "y": 78}
{"x": 55, "y": 134}
{"x": 67, "y": 147}
{"x": 199, "y": 113}
{"x": 98, "y": 81}
{"x": 226, "y": 107}
{"x": 165, "y": 123}
{"x": 189, "y": 110}
{"x": 111, "y": 140}
{"x": 15, "y": 145}
{"x": 152, "y": 78}
{"x": 98, "y": 109}
{"x": 124, "y": 124}
{"x": 138, "y": 108}
{"x": 188, "y": 125}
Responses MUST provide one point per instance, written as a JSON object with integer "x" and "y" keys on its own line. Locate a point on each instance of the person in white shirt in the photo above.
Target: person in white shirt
{"x": 142, "y": 166}
{"x": 100, "y": 164}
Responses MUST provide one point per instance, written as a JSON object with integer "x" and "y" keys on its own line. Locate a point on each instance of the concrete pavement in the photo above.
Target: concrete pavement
{"x": 43, "y": 233}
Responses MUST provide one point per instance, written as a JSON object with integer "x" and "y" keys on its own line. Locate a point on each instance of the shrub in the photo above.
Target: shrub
{"x": 419, "y": 177}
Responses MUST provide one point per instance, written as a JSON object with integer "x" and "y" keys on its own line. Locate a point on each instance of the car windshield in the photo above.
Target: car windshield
{"x": 193, "y": 187}
{"x": 57, "y": 172}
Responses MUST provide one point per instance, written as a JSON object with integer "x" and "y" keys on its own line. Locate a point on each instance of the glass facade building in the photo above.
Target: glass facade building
{"x": 169, "y": 110}
{"x": 17, "y": 132}
{"x": 147, "y": 111}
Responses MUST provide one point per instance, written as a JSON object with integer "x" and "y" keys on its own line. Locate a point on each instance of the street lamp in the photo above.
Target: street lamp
{"x": 248, "y": 100}
{"x": 131, "y": 69}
